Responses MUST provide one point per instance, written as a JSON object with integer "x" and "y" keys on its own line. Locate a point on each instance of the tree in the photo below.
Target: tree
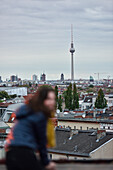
{"x": 4, "y": 94}
{"x": 60, "y": 103}
{"x": 56, "y": 93}
{"x": 71, "y": 97}
{"x": 36, "y": 85}
{"x": 100, "y": 102}
{"x": 13, "y": 96}
{"x": 68, "y": 97}
{"x": 65, "y": 98}
{"x": 75, "y": 97}
{"x": 91, "y": 86}
{"x": 30, "y": 84}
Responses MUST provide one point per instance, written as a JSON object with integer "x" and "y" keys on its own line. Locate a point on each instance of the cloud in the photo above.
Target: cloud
{"x": 38, "y": 31}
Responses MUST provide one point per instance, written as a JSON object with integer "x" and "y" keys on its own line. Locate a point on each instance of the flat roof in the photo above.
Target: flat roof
{"x": 7, "y": 88}
{"x": 94, "y": 120}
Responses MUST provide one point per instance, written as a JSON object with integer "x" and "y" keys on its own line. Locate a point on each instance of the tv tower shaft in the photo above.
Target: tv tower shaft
{"x": 72, "y": 50}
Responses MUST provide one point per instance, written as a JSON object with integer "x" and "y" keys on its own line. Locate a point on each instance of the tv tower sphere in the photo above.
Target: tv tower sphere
{"x": 72, "y": 50}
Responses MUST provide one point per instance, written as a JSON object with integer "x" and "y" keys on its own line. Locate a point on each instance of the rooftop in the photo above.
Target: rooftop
{"x": 7, "y": 88}
{"x": 81, "y": 144}
{"x": 3, "y": 125}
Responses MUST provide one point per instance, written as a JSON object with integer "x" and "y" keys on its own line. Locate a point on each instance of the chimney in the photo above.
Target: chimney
{"x": 73, "y": 132}
{"x": 76, "y": 148}
{"x": 64, "y": 126}
{"x": 80, "y": 127}
{"x": 100, "y": 135}
{"x": 94, "y": 113}
{"x": 69, "y": 127}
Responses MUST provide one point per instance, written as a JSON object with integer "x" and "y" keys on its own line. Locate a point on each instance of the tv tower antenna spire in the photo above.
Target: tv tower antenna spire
{"x": 71, "y": 33}
{"x": 72, "y": 50}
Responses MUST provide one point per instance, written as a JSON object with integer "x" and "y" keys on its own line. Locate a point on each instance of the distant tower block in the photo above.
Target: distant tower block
{"x": 72, "y": 50}
{"x": 43, "y": 77}
{"x": 34, "y": 77}
{"x": 62, "y": 77}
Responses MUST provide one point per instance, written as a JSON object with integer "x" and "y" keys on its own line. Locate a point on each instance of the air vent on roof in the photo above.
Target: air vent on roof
{"x": 75, "y": 148}
{"x": 70, "y": 137}
{"x": 73, "y": 132}
{"x": 100, "y": 134}
{"x": 64, "y": 141}
{"x": 91, "y": 144}
{"x": 97, "y": 140}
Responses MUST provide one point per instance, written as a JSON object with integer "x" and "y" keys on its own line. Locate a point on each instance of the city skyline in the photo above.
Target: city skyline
{"x": 35, "y": 38}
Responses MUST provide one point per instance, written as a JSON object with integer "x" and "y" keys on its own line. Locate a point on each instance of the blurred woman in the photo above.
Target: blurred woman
{"x": 29, "y": 133}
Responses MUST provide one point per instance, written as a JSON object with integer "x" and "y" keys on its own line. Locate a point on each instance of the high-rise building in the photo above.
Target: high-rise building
{"x": 34, "y": 77}
{"x": 62, "y": 77}
{"x": 0, "y": 79}
{"x": 14, "y": 78}
{"x": 43, "y": 77}
{"x": 72, "y": 50}
{"x": 91, "y": 79}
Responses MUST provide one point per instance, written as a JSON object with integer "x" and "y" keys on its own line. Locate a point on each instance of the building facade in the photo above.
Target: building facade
{"x": 34, "y": 77}
{"x": 43, "y": 77}
{"x": 14, "y": 78}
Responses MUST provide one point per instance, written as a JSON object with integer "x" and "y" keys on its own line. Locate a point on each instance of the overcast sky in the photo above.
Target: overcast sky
{"x": 35, "y": 38}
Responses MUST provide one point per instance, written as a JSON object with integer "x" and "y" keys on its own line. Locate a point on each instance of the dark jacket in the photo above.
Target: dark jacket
{"x": 30, "y": 131}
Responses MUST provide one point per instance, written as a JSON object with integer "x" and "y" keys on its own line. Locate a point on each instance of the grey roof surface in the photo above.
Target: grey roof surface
{"x": 81, "y": 144}
{"x": 14, "y": 107}
{"x": 3, "y": 125}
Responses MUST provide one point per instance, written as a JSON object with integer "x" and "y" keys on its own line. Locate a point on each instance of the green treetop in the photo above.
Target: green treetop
{"x": 75, "y": 97}
{"x": 4, "y": 94}
{"x": 60, "y": 103}
{"x": 100, "y": 102}
{"x": 71, "y": 97}
{"x": 56, "y": 93}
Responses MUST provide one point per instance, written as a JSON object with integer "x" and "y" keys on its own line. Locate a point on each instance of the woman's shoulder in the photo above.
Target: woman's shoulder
{"x": 38, "y": 117}
{"x": 22, "y": 111}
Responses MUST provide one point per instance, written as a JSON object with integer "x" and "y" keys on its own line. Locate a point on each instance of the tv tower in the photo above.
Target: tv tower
{"x": 72, "y": 50}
